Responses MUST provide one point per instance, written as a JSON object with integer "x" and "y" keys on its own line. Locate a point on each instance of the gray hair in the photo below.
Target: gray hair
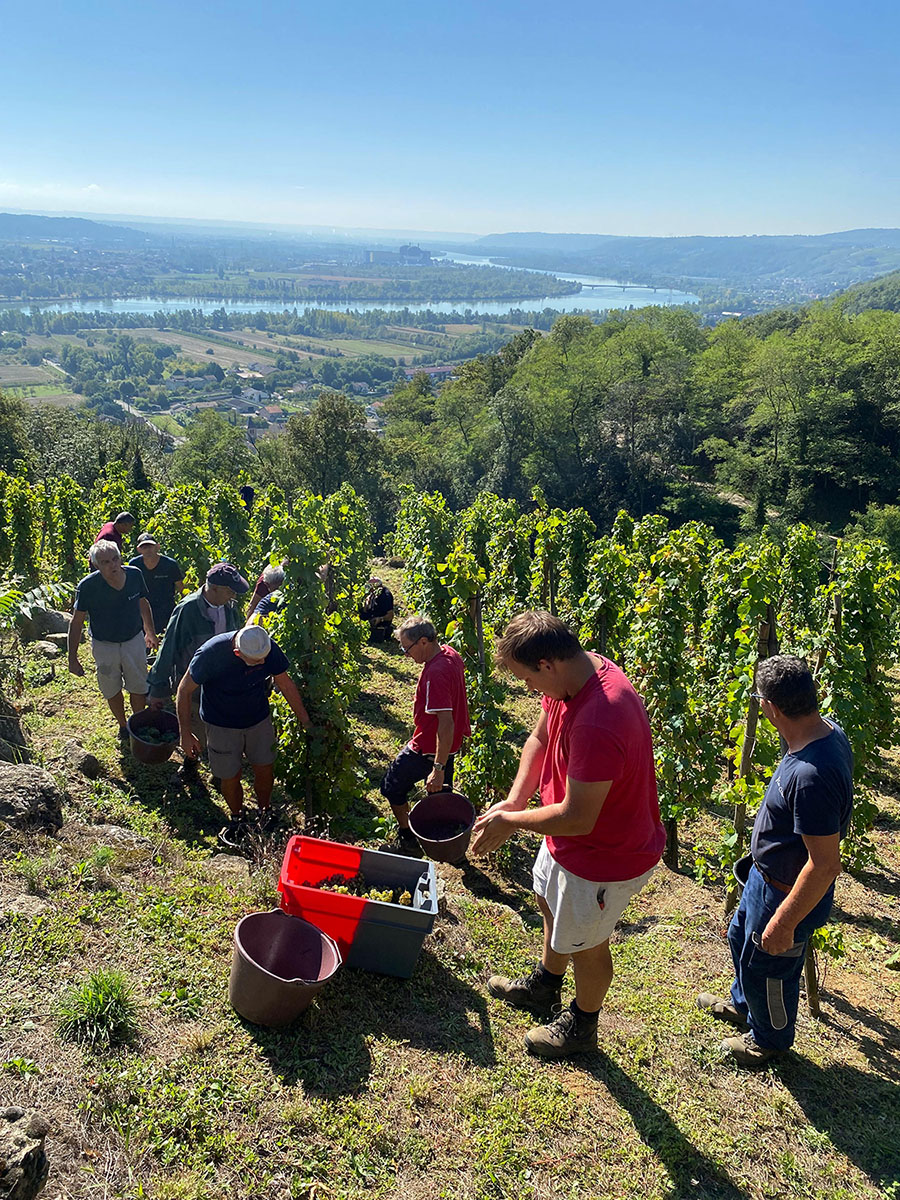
{"x": 417, "y": 626}
{"x": 103, "y": 547}
{"x": 273, "y": 577}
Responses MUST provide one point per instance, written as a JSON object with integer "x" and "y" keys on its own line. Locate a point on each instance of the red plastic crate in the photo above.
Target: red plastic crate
{"x": 373, "y": 935}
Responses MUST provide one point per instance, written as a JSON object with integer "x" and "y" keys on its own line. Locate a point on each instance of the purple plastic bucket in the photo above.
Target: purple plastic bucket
{"x": 279, "y": 964}
{"x": 442, "y": 823}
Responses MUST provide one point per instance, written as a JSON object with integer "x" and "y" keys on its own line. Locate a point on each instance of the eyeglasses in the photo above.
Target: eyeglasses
{"x": 406, "y": 649}
{"x": 757, "y": 696}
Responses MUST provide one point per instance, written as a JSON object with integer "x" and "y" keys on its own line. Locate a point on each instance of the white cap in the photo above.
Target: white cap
{"x": 253, "y": 641}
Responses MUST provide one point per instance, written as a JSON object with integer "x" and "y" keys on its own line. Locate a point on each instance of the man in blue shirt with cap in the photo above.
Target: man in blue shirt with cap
{"x": 234, "y": 672}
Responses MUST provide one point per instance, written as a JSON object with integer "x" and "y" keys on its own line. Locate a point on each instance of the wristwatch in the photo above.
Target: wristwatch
{"x": 439, "y": 766}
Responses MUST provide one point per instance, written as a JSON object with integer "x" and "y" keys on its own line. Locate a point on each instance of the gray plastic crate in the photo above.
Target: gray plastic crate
{"x": 373, "y": 935}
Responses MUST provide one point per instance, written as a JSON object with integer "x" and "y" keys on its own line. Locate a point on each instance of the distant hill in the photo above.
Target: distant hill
{"x": 883, "y": 292}
{"x": 821, "y": 264}
{"x": 23, "y": 227}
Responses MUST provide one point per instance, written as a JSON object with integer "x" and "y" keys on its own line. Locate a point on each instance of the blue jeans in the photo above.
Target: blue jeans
{"x": 766, "y": 987}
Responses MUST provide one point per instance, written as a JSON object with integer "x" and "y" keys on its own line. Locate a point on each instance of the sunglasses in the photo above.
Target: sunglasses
{"x": 757, "y": 696}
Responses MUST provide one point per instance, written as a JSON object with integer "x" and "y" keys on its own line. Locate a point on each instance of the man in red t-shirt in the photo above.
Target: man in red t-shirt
{"x": 117, "y": 529}
{"x": 591, "y": 757}
{"x": 440, "y": 722}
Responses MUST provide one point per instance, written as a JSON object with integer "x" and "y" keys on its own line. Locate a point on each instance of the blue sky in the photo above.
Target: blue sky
{"x": 660, "y": 117}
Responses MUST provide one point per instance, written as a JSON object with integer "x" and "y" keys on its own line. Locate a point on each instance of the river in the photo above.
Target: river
{"x": 597, "y": 295}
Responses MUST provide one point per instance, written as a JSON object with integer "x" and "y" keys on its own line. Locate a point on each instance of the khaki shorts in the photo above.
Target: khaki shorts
{"x": 121, "y": 663}
{"x": 579, "y": 921}
{"x": 227, "y": 747}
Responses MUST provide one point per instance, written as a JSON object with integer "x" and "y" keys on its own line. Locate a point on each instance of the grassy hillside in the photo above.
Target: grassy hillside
{"x": 419, "y": 1088}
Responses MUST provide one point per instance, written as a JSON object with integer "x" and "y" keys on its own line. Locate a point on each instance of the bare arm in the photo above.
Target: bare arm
{"x": 149, "y": 628}
{"x": 574, "y": 817}
{"x": 74, "y": 637}
{"x": 528, "y": 777}
{"x": 189, "y": 742}
{"x": 446, "y": 726}
{"x": 288, "y": 689}
{"x": 817, "y": 875}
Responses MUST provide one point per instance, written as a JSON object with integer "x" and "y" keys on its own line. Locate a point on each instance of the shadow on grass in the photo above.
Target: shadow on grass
{"x": 859, "y": 1112}
{"x": 877, "y": 1038}
{"x": 372, "y": 707}
{"x": 192, "y": 808}
{"x": 327, "y": 1049}
{"x": 884, "y": 881}
{"x": 691, "y": 1172}
{"x": 881, "y": 925}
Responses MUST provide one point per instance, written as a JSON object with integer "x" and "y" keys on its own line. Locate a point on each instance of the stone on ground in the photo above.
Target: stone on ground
{"x": 29, "y": 798}
{"x": 23, "y": 1162}
{"x": 42, "y": 622}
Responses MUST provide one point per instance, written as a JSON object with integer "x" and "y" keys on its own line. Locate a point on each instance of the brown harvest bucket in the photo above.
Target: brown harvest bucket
{"x": 442, "y": 823}
{"x": 278, "y": 965}
{"x": 162, "y": 722}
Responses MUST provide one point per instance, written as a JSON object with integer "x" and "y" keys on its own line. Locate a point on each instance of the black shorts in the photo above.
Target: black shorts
{"x": 408, "y": 769}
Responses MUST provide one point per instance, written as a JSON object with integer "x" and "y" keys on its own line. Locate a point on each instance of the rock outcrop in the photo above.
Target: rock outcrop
{"x": 41, "y": 622}
{"x": 23, "y": 1162}
{"x": 29, "y": 798}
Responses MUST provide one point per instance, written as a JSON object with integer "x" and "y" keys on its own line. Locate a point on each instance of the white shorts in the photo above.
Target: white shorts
{"x": 584, "y": 913}
{"x": 119, "y": 662}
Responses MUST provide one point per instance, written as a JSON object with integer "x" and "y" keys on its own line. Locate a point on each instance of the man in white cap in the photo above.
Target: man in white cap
{"x": 233, "y": 672}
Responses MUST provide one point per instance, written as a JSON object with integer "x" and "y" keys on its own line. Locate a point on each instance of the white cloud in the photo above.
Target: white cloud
{"x": 29, "y": 192}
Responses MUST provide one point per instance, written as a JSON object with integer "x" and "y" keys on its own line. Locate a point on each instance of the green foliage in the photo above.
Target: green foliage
{"x": 328, "y": 545}
{"x": 99, "y": 1012}
{"x": 683, "y": 615}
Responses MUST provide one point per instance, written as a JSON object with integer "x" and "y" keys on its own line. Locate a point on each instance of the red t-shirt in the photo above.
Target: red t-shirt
{"x": 603, "y": 733}
{"x": 441, "y": 687}
{"x": 109, "y": 533}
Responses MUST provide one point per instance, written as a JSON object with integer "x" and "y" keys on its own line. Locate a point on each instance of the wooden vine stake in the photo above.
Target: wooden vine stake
{"x": 810, "y": 969}
{"x": 740, "y": 809}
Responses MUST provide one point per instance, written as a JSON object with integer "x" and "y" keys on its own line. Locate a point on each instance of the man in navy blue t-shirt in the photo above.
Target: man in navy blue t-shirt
{"x": 795, "y": 849}
{"x": 234, "y": 672}
{"x": 114, "y": 597}
{"x": 163, "y": 576}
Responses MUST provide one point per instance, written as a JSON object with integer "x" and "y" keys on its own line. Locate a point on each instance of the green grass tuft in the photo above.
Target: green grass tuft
{"x": 99, "y": 1012}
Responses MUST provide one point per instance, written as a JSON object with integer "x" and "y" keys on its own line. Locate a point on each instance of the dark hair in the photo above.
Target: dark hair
{"x": 533, "y": 636}
{"x": 786, "y": 681}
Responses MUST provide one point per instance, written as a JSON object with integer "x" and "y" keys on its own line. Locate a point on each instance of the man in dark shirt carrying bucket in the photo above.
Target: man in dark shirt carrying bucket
{"x": 234, "y": 672}
{"x": 793, "y": 863}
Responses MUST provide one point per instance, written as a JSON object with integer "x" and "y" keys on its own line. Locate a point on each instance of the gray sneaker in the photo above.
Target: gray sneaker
{"x": 530, "y": 992}
{"x": 746, "y": 1051}
{"x": 564, "y": 1036}
{"x": 718, "y": 1006}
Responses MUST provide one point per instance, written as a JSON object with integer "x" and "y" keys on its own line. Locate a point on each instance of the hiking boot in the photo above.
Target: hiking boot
{"x": 404, "y": 843}
{"x": 564, "y": 1036}
{"x": 531, "y": 992}
{"x": 746, "y": 1052}
{"x": 234, "y": 832}
{"x": 718, "y": 1006}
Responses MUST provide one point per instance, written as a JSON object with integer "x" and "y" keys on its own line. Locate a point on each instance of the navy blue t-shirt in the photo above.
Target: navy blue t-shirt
{"x": 160, "y": 586}
{"x": 810, "y": 793}
{"x": 114, "y": 614}
{"x": 233, "y": 694}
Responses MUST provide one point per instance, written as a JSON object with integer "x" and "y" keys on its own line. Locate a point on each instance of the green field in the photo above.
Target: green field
{"x": 167, "y": 424}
